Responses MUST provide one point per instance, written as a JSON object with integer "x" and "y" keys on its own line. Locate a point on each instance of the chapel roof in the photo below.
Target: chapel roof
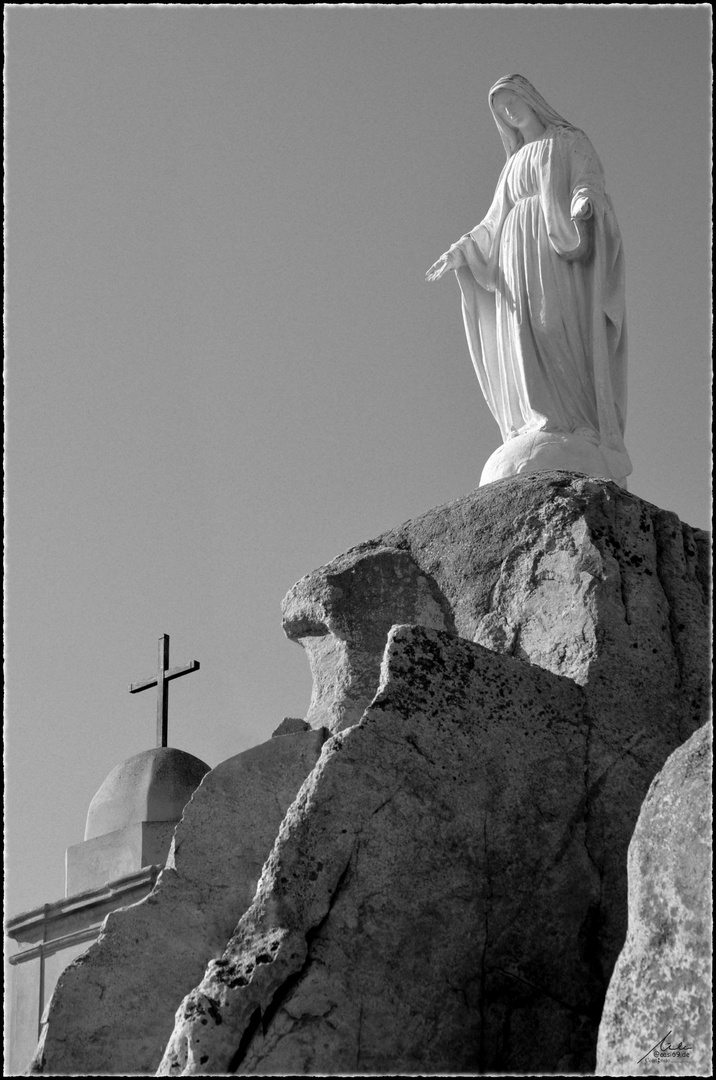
{"x": 152, "y": 786}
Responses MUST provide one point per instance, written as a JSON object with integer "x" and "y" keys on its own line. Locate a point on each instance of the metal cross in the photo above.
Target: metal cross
{"x": 161, "y": 680}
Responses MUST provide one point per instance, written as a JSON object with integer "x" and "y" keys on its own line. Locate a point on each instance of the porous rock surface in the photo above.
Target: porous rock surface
{"x": 113, "y": 1008}
{"x": 573, "y": 574}
{"x": 436, "y": 896}
{"x": 661, "y": 990}
{"x": 570, "y": 573}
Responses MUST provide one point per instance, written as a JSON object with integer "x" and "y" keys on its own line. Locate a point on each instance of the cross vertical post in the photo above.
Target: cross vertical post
{"x": 161, "y": 680}
{"x": 163, "y": 691}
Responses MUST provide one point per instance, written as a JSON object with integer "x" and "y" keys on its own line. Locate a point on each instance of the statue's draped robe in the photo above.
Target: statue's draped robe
{"x": 543, "y": 298}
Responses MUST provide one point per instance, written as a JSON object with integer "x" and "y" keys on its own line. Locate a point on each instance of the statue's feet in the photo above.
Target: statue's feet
{"x": 547, "y": 451}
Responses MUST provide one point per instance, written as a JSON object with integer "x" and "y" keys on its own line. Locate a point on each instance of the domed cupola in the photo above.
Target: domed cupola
{"x": 152, "y": 786}
{"x": 131, "y": 819}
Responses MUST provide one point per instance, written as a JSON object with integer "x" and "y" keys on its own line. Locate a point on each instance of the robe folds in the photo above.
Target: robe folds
{"x": 543, "y": 298}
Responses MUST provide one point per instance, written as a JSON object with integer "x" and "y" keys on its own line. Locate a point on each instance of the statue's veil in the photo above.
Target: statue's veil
{"x": 511, "y": 138}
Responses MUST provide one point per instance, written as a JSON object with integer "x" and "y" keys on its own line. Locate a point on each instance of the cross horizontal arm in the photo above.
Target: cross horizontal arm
{"x": 174, "y": 673}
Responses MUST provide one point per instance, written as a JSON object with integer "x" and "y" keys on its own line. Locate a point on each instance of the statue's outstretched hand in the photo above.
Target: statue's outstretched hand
{"x": 450, "y": 260}
{"x": 581, "y": 208}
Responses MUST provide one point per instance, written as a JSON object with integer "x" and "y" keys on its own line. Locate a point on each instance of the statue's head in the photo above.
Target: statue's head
{"x": 515, "y": 111}
{"x": 513, "y": 100}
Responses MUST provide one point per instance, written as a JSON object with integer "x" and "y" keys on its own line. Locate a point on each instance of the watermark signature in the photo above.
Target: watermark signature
{"x": 663, "y": 1050}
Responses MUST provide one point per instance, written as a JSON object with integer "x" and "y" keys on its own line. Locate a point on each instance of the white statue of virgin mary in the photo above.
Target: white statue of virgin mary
{"x": 542, "y": 282}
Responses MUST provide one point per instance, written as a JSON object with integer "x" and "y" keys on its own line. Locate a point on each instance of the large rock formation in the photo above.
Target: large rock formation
{"x": 573, "y": 574}
{"x": 448, "y": 890}
{"x": 433, "y": 903}
{"x": 427, "y": 906}
{"x": 657, "y": 1015}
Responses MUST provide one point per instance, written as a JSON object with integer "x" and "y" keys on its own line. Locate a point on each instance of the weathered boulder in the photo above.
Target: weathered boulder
{"x": 657, "y": 1016}
{"x": 341, "y": 616}
{"x": 570, "y": 573}
{"x": 433, "y": 902}
{"x": 574, "y": 574}
{"x": 113, "y": 1008}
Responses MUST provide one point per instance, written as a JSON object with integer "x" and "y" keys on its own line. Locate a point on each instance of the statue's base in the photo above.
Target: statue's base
{"x": 545, "y": 451}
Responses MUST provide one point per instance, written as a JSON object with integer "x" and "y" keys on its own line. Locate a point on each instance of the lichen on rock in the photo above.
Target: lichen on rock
{"x": 660, "y": 993}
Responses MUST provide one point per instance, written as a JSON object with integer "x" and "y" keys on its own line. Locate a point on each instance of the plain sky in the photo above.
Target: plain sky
{"x": 223, "y": 364}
